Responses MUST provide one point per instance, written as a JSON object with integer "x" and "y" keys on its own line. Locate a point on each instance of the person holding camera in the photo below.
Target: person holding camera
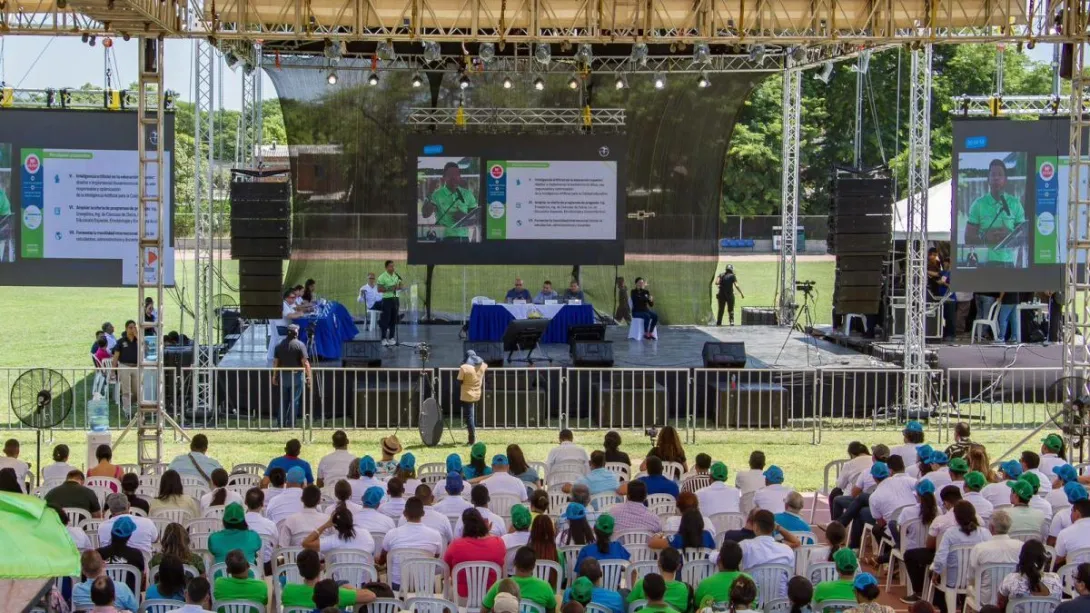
{"x": 471, "y": 378}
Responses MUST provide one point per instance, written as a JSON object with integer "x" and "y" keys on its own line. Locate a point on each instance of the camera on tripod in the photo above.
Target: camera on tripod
{"x": 805, "y": 287}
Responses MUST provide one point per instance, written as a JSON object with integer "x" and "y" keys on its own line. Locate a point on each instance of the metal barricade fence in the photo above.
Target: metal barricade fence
{"x": 1001, "y": 398}
{"x": 753, "y": 399}
{"x": 627, "y": 398}
{"x": 522, "y": 398}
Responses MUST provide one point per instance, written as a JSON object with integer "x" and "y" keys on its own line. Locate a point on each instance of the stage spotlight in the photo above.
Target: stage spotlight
{"x": 826, "y": 73}
{"x": 230, "y": 59}
{"x": 543, "y": 53}
{"x": 85, "y": 37}
{"x": 125, "y": 36}
{"x": 487, "y": 52}
{"x": 331, "y": 50}
{"x": 702, "y": 53}
{"x": 463, "y": 81}
{"x": 585, "y": 53}
{"x": 660, "y": 80}
{"x": 639, "y": 54}
{"x": 417, "y": 79}
{"x": 863, "y": 63}
{"x": 508, "y": 83}
{"x": 91, "y": 41}
{"x": 385, "y": 51}
{"x": 432, "y": 52}
{"x": 703, "y": 82}
{"x": 621, "y": 82}
{"x": 539, "y": 83}
{"x": 757, "y": 54}
{"x": 798, "y": 53}
{"x": 372, "y": 79}
{"x": 573, "y": 82}
{"x": 331, "y": 78}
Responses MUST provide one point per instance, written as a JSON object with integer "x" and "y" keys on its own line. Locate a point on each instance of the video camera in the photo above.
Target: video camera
{"x": 805, "y": 286}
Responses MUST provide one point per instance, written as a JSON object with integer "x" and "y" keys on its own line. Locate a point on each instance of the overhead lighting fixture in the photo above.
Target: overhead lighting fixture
{"x": 585, "y": 53}
{"x": 508, "y": 83}
{"x": 798, "y": 54}
{"x": 91, "y": 41}
{"x": 573, "y": 82}
{"x": 639, "y": 54}
{"x": 386, "y": 51}
{"x": 826, "y": 73}
{"x": 463, "y": 81}
{"x": 862, "y": 64}
{"x": 543, "y": 53}
{"x": 703, "y": 82}
{"x": 487, "y": 52}
{"x": 702, "y": 53}
{"x": 621, "y": 82}
{"x": 332, "y": 50}
{"x": 660, "y": 80}
{"x": 230, "y": 59}
{"x": 331, "y": 78}
{"x": 417, "y": 79}
{"x": 757, "y": 54}
{"x": 372, "y": 79}
{"x": 432, "y": 52}
{"x": 539, "y": 83}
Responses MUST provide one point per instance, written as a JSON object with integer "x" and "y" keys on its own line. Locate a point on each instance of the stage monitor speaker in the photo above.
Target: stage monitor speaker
{"x": 178, "y": 356}
{"x": 361, "y": 353}
{"x": 586, "y": 332}
{"x": 431, "y": 422}
{"x": 490, "y": 352}
{"x": 592, "y": 353}
{"x": 724, "y": 355}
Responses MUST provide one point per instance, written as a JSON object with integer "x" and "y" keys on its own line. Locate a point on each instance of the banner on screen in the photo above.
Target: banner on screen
{"x": 494, "y": 199}
{"x": 68, "y": 200}
{"x": 1011, "y": 192}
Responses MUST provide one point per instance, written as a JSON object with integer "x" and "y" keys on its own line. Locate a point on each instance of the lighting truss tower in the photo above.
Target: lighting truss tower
{"x": 789, "y": 198}
{"x": 1076, "y": 354}
{"x": 915, "y": 393}
{"x": 251, "y": 116}
{"x": 204, "y": 213}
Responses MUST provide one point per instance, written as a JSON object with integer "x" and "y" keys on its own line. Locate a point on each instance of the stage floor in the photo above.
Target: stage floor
{"x": 677, "y": 347}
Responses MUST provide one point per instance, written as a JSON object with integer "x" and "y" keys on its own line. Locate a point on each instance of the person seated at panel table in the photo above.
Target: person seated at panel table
{"x": 310, "y": 293}
{"x": 574, "y": 293}
{"x": 517, "y": 293}
{"x": 547, "y": 293}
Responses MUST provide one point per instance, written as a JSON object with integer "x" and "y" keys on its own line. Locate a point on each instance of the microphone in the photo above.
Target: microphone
{"x": 1003, "y": 203}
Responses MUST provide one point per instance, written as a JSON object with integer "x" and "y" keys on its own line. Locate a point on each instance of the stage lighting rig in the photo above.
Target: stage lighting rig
{"x": 659, "y": 80}
{"x": 573, "y": 82}
{"x": 463, "y": 81}
{"x": 639, "y": 54}
{"x": 585, "y": 53}
{"x": 539, "y": 83}
{"x": 432, "y": 52}
{"x": 508, "y": 83}
{"x": 826, "y": 73}
{"x": 702, "y": 53}
{"x": 703, "y": 82}
{"x": 863, "y": 63}
{"x": 543, "y": 53}
{"x": 331, "y": 78}
{"x": 417, "y": 80}
{"x": 757, "y": 54}
{"x": 621, "y": 82}
{"x": 386, "y": 51}
{"x": 487, "y": 52}
{"x": 372, "y": 79}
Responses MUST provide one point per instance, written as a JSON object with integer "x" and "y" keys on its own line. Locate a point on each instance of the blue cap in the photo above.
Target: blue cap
{"x": 367, "y": 465}
{"x": 296, "y": 475}
{"x": 454, "y": 463}
{"x": 499, "y": 460}
{"x": 913, "y": 426}
{"x": 1066, "y": 473}
{"x": 1011, "y": 468}
{"x": 455, "y": 485}
{"x": 373, "y": 497}
{"x": 923, "y": 452}
{"x": 123, "y": 527}
{"x": 925, "y": 486}
{"x": 863, "y": 581}
{"x": 1075, "y": 492}
{"x": 575, "y": 511}
{"x": 774, "y": 474}
{"x": 938, "y": 457}
{"x": 879, "y": 470}
{"x": 407, "y": 462}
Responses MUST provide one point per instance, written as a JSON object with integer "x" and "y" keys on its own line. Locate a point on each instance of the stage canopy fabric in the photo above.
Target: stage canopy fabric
{"x": 939, "y": 201}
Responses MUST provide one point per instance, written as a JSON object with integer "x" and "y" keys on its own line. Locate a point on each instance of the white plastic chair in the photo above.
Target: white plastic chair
{"x": 109, "y": 484}
{"x": 727, "y": 521}
{"x": 244, "y": 479}
{"x": 663, "y": 505}
{"x": 120, "y": 573}
{"x": 571, "y": 553}
{"x": 620, "y": 469}
{"x": 550, "y": 572}
{"x": 822, "y": 571}
{"x": 612, "y": 573}
{"x": 991, "y": 323}
{"x": 175, "y": 516}
{"x": 636, "y": 605}
{"x": 592, "y": 607}
{"x": 641, "y": 552}
{"x": 76, "y": 516}
{"x": 478, "y": 577}
{"x": 695, "y": 483}
{"x": 250, "y": 468}
{"x": 424, "y": 577}
{"x": 422, "y": 604}
{"x": 832, "y": 467}
{"x": 349, "y": 556}
{"x": 806, "y": 538}
{"x": 1067, "y": 574}
{"x": 961, "y": 580}
{"x": 695, "y": 571}
{"x": 782, "y": 605}
{"x": 993, "y": 575}
{"x": 1033, "y": 604}
{"x": 526, "y": 606}
{"x": 557, "y": 501}
{"x": 631, "y": 537}
{"x": 204, "y": 525}
{"x": 158, "y": 605}
{"x": 214, "y": 512}
{"x": 237, "y": 606}
{"x": 746, "y": 504}
{"x": 771, "y": 580}
{"x": 381, "y": 605}
{"x": 639, "y": 570}
{"x": 501, "y": 504}
{"x": 601, "y": 503}
{"x": 673, "y": 470}
{"x": 897, "y": 554}
{"x": 354, "y": 574}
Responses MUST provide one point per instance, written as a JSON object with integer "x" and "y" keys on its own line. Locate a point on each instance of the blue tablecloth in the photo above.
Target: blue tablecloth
{"x": 487, "y": 322}
{"x": 333, "y": 325}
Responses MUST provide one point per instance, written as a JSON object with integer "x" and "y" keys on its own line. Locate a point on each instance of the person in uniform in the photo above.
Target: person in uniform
{"x": 727, "y": 283}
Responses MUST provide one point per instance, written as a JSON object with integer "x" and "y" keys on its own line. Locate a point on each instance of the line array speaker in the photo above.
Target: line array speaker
{"x": 261, "y": 241}
{"x": 361, "y": 353}
{"x": 860, "y": 234}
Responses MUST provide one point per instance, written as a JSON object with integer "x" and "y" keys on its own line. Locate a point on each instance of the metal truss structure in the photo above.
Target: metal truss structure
{"x": 1012, "y": 106}
{"x": 1076, "y": 329}
{"x": 789, "y": 194}
{"x": 500, "y": 117}
{"x": 80, "y": 99}
{"x": 204, "y": 63}
{"x": 251, "y": 119}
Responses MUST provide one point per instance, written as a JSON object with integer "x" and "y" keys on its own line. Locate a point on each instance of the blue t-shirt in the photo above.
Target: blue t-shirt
{"x": 153, "y": 594}
{"x": 600, "y": 481}
{"x": 123, "y": 596}
{"x": 288, "y": 463}
{"x": 657, "y": 484}
{"x": 944, "y": 288}
{"x": 518, "y": 294}
{"x": 709, "y": 541}
{"x": 607, "y": 598}
{"x": 471, "y": 473}
{"x": 616, "y": 552}
{"x": 792, "y": 523}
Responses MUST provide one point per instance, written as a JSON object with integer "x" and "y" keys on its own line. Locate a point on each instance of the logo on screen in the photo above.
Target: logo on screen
{"x": 1046, "y": 224}
{"x": 1047, "y": 171}
{"x": 32, "y": 217}
{"x": 976, "y": 142}
{"x": 496, "y": 171}
{"x": 32, "y": 163}
{"x": 496, "y": 210}
{"x": 603, "y": 151}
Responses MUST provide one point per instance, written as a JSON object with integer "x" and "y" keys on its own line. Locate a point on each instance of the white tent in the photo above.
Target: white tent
{"x": 939, "y": 203}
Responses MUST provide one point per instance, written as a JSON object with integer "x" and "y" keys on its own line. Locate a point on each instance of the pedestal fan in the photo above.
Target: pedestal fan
{"x": 41, "y": 399}
{"x": 1069, "y": 408}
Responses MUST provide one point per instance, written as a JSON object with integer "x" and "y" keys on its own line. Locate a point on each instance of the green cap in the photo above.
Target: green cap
{"x": 478, "y": 450}
{"x": 1021, "y": 489}
{"x": 845, "y": 561}
{"x": 959, "y": 466}
{"x": 582, "y": 590}
{"x": 234, "y": 514}
{"x": 1054, "y": 442}
{"x": 1032, "y": 479}
{"x": 719, "y": 471}
{"x": 604, "y": 523}
{"x": 975, "y": 480}
{"x": 520, "y": 517}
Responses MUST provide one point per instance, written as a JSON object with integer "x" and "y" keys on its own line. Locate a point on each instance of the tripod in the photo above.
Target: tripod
{"x": 803, "y": 319}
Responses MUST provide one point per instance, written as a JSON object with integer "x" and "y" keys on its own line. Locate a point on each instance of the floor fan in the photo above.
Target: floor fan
{"x": 1069, "y": 409}
{"x": 41, "y": 399}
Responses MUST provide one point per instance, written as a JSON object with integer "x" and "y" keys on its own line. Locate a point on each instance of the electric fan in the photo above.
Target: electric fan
{"x": 221, "y": 303}
{"x": 41, "y": 399}
{"x": 1069, "y": 408}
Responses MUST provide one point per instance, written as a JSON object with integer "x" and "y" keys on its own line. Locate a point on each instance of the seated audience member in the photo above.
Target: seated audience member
{"x": 265, "y": 528}
{"x": 642, "y": 301}
{"x": 170, "y": 584}
{"x": 480, "y": 499}
{"x": 999, "y": 549}
{"x": 791, "y": 519}
{"x": 974, "y": 482}
{"x": 79, "y": 537}
{"x": 603, "y": 548}
{"x": 586, "y": 589}
{"x": 59, "y": 469}
{"x": 172, "y": 496}
{"x": 103, "y": 596}
{"x": 406, "y": 472}
{"x": 93, "y": 567}
{"x": 577, "y": 530}
{"x": 1064, "y": 474}
{"x": 1063, "y": 517}
{"x": 196, "y": 463}
{"x": 129, "y": 484}
{"x": 475, "y": 545}
{"x": 453, "y": 504}
{"x": 1081, "y": 604}
{"x": 866, "y": 593}
{"x": 361, "y": 476}
{"x": 73, "y": 494}
{"x": 763, "y": 548}
{"x": 1076, "y": 536}
{"x": 677, "y": 592}
{"x": 841, "y": 588}
{"x": 198, "y": 597}
{"x": 612, "y": 449}
{"x": 288, "y": 461}
{"x": 290, "y": 500}
{"x": 746, "y": 532}
{"x": 699, "y": 477}
{"x": 753, "y": 479}
{"x": 691, "y": 534}
{"x": 530, "y": 587}
{"x": 310, "y": 570}
{"x": 686, "y": 501}
{"x": 1037, "y": 501}
{"x": 454, "y": 464}
{"x": 1053, "y": 454}
{"x": 573, "y": 293}
{"x": 518, "y": 292}
{"x": 520, "y": 528}
{"x": 278, "y": 482}
{"x": 580, "y": 493}
{"x": 342, "y": 491}
{"x": 298, "y": 525}
{"x": 800, "y": 592}
{"x": 432, "y": 518}
{"x": 370, "y": 518}
{"x": 962, "y": 444}
{"x": 718, "y": 497}
{"x": 1030, "y": 577}
{"x": 118, "y": 550}
{"x": 1031, "y": 464}
{"x": 143, "y": 533}
{"x": 547, "y": 293}
{"x": 771, "y": 497}
{"x": 387, "y": 464}
{"x": 175, "y": 541}
{"x": 716, "y": 588}
{"x": 633, "y": 514}
{"x": 600, "y": 479}
{"x": 860, "y": 461}
{"x": 334, "y": 465}
{"x": 503, "y": 482}
{"x": 913, "y": 438}
{"x": 567, "y": 451}
{"x": 394, "y": 504}
{"x": 655, "y": 481}
{"x": 220, "y": 496}
{"x": 668, "y": 448}
{"x": 339, "y": 532}
{"x": 967, "y": 531}
{"x": 105, "y": 467}
{"x": 999, "y": 493}
{"x": 477, "y": 467}
{"x": 837, "y": 536}
{"x": 520, "y": 468}
{"x": 411, "y": 535}
{"x": 892, "y": 491}
{"x": 237, "y": 583}
{"x": 1023, "y": 516}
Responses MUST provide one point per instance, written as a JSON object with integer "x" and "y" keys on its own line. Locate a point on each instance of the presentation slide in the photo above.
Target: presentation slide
{"x": 517, "y": 199}
{"x": 72, "y": 216}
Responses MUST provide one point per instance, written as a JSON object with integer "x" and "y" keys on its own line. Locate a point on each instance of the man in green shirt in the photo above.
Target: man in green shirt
{"x": 389, "y": 282}
{"x": 530, "y": 587}
{"x": 716, "y": 588}
{"x": 841, "y": 589}
{"x": 450, "y": 203}
{"x": 235, "y": 535}
{"x": 310, "y": 569}
{"x": 993, "y": 216}
{"x": 5, "y": 204}
{"x": 677, "y": 593}
{"x": 655, "y": 588}
{"x": 237, "y": 584}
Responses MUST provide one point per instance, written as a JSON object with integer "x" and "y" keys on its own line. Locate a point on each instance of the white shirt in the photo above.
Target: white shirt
{"x": 516, "y": 539}
{"x": 392, "y": 508}
{"x": 941, "y": 478}
{"x": 891, "y": 494}
{"x": 1073, "y": 538}
{"x": 288, "y": 502}
{"x": 189, "y": 608}
{"x": 20, "y": 467}
{"x": 146, "y": 534}
{"x": 361, "y": 485}
{"x": 941, "y": 524}
{"x": 499, "y": 527}
{"x": 373, "y": 521}
{"x": 1057, "y": 499}
{"x": 57, "y": 471}
{"x": 410, "y": 536}
{"x": 1041, "y": 505}
{"x": 436, "y": 521}
{"x": 997, "y": 493}
{"x": 232, "y": 496}
{"x": 272, "y": 492}
{"x": 452, "y": 506}
{"x": 672, "y": 523}
{"x": 718, "y": 497}
{"x": 945, "y": 561}
{"x": 999, "y": 549}
{"x": 1048, "y": 462}
{"x": 567, "y": 451}
{"x": 369, "y": 295}
{"x": 506, "y": 483}
{"x": 852, "y": 469}
{"x": 80, "y": 538}
{"x": 771, "y": 497}
{"x": 1046, "y": 480}
{"x": 983, "y": 507}
{"x": 298, "y": 525}
{"x": 749, "y": 480}
{"x": 334, "y": 467}
{"x": 1060, "y": 521}
{"x": 362, "y": 541}
{"x": 908, "y": 453}
{"x": 765, "y": 550}
{"x": 264, "y": 527}
{"x": 111, "y": 340}
{"x": 916, "y": 533}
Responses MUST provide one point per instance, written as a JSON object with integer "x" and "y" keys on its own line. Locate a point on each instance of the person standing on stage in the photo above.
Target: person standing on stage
{"x": 471, "y": 378}
{"x": 727, "y": 283}
{"x": 624, "y": 310}
{"x": 389, "y": 283}
{"x": 642, "y": 301}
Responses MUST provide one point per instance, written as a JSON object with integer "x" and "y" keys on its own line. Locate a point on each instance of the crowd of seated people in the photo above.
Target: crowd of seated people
{"x": 584, "y": 532}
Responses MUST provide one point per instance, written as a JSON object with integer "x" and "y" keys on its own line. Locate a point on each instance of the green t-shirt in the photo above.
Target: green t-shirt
{"x": 677, "y": 595}
{"x": 530, "y": 588}
{"x": 659, "y": 610}
{"x": 253, "y": 590}
{"x": 716, "y": 588}
{"x": 219, "y": 543}
{"x": 299, "y": 595}
{"x": 840, "y": 589}
{"x": 5, "y": 204}
{"x": 987, "y": 213}
{"x": 387, "y": 280}
{"x": 448, "y": 202}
